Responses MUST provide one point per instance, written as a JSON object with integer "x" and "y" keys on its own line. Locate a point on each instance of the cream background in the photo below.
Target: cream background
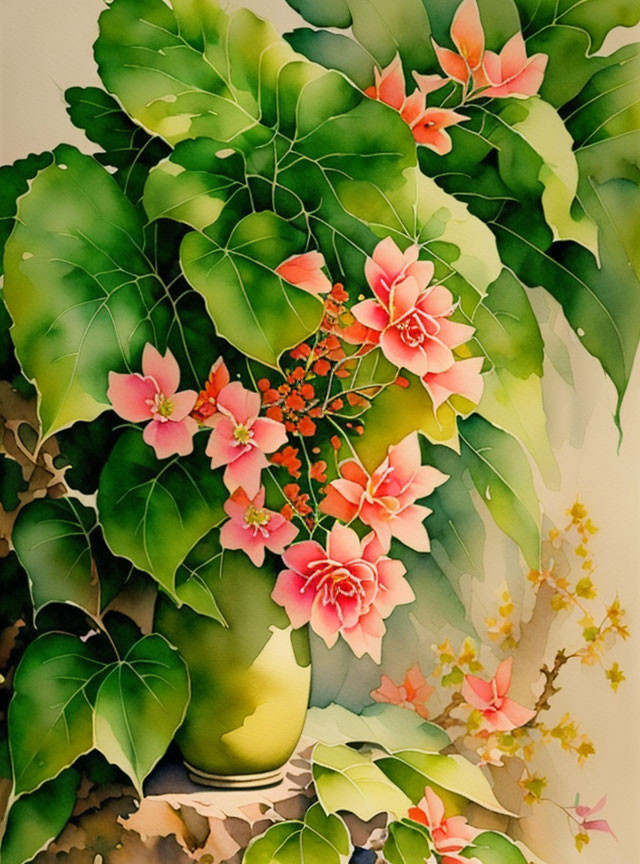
{"x": 45, "y": 47}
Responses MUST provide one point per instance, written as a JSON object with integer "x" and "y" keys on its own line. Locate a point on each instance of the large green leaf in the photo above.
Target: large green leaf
{"x": 14, "y": 182}
{"x": 140, "y": 705}
{"x": 78, "y": 287}
{"x": 411, "y": 770}
{"x": 408, "y": 842}
{"x": 502, "y": 475}
{"x": 387, "y": 726}
{"x": 319, "y": 839}
{"x": 252, "y": 307}
{"x": 11, "y": 483}
{"x": 51, "y": 713}
{"x": 199, "y": 575}
{"x": 493, "y": 848}
{"x": 37, "y": 819}
{"x": 351, "y": 781}
{"x": 153, "y": 512}
{"x": 594, "y": 17}
{"x": 127, "y": 147}
{"x": 60, "y": 546}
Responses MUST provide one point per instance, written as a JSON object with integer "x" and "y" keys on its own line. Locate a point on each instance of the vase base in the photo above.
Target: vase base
{"x": 235, "y": 781}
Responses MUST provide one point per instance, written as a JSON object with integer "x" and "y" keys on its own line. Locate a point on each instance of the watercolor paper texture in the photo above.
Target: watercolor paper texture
{"x": 318, "y": 405}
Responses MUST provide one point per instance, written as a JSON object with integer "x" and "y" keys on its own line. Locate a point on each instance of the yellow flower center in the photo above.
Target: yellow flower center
{"x": 165, "y": 407}
{"x": 242, "y": 434}
{"x": 256, "y": 517}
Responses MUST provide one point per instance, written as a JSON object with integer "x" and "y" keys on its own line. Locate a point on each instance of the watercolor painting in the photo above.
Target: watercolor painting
{"x": 318, "y": 415}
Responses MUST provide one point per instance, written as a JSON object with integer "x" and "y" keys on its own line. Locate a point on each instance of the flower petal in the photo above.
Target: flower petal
{"x": 390, "y": 84}
{"x": 467, "y": 33}
{"x": 452, "y": 64}
{"x": 171, "y": 438}
{"x": 299, "y": 557}
{"x": 245, "y": 471}
{"x": 130, "y": 394}
{"x": 183, "y": 403}
{"x": 165, "y": 369}
{"x": 242, "y": 405}
{"x": 396, "y": 350}
{"x": 290, "y": 592}
{"x": 371, "y": 313}
{"x": 343, "y": 544}
{"x": 268, "y": 434}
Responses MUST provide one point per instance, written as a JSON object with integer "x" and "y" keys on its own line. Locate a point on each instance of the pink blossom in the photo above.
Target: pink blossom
{"x": 467, "y": 35}
{"x": 153, "y": 396}
{"x": 511, "y": 74}
{"x": 413, "y": 693}
{"x": 253, "y": 528}
{"x": 411, "y": 316}
{"x": 450, "y": 836}
{"x": 240, "y": 438}
{"x": 584, "y": 813}
{"x": 347, "y": 589}
{"x": 464, "y": 378}
{"x": 490, "y": 697}
{"x": 305, "y": 271}
{"x": 385, "y": 501}
{"x": 426, "y": 124}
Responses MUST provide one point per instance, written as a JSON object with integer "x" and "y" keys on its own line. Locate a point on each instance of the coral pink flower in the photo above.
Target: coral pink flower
{"x": 411, "y": 316}
{"x": 385, "y": 501}
{"x": 153, "y": 396}
{"x": 584, "y": 813}
{"x": 426, "y": 124}
{"x": 490, "y": 697}
{"x": 240, "y": 438}
{"x": 510, "y": 73}
{"x": 449, "y": 836}
{"x": 253, "y": 528}
{"x": 413, "y": 693}
{"x": 468, "y": 37}
{"x": 348, "y": 589}
{"x": 464, "y": 378}
{"x": 305, "y": 271}
{"x": 205, "y": 410}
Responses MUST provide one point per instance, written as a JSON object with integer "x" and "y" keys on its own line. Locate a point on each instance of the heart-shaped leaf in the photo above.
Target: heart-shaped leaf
{"x": 408, "y": 841}
{"x": 319, "y": 839}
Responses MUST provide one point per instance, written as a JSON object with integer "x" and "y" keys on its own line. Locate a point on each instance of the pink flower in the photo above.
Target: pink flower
{"x": 347, "y": 589}
{"x": 426, "y": 124}
{"x": 464, "y": 378}
{"x": 584, "y": 813}
{"x": 413, "y": 693}
{"x": 240, "y": 438}
{"x": 467, "y": 35}
{"x": 305, "y": 271}
{"x": 253, "y": 528}
{"x": 449, "y": 836}
{"x": 152, "y": 396}
{"x": 411, "y": 316}
{"x": 510, "y": 73}
{"x": 490, "y": 697}
{"x": 205, "y": 410}
{"x": 385, "y": 501}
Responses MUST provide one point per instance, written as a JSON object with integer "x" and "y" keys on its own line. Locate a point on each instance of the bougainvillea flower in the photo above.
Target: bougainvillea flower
{"x": 253, "y": 528}
{"x": 413, "y": 693}
{"x": 305, "y": 271}
{"x": 347, "y": 589}
{"x": 153, "y": 396}
{"x": 490, "y": 698}
{"x": 388, "y": 265}
{"x": 467, "y": 35}
{"x": 511, "y": 73}
{"x": 389, "y": 86}
{"x": 411, "y": 316}
{"x": 240, "y": 438}
{"x": 449, "y": 836}
{"x": 205, "y": 410}
{"x": 385, "y": 501}
{"x": 464, "y": 378}
{"x": 584, "y": 814}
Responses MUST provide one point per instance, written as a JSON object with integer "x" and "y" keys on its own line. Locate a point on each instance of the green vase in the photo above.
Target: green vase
{"x": 250, "y": 680}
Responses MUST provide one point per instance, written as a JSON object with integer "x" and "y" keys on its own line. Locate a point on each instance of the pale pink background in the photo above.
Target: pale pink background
{"x": 45, "y": 47}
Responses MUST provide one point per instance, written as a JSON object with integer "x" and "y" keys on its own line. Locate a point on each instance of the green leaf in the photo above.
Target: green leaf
{"x": 11, "y": 483}
{"x": 351, "y": 781}
{"x": 140, "y": 705}
{"x": 60, "y": 546}
{"x": 153, "y": 512}
{"x": 408, "y": 842}
{"x": 14, "y": 182}
{"x": 596, "y": 18}
{"x": 257, "y": 311}
{"x": 388, "y": 726}
{"x": 37, "y": 819}
{"x": 493, "y": 848}
{"x": 500, "y": 20}
{"x": 549, "y": 160}
{"x": 320, "y": 839}
{"x": 516, "y": 406}
{"x": 334, "y": 51}
{"x": 324, "y": 13}
{"x": 78, "y": 446}
{"x": 199, "y": 575}
{"x": 501, "y": 474}
{"x": 412, "y": 770}
{"x": 126, "y": 146}
{"x": 77, "y": 286}
{"x": 51, "y": 713}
